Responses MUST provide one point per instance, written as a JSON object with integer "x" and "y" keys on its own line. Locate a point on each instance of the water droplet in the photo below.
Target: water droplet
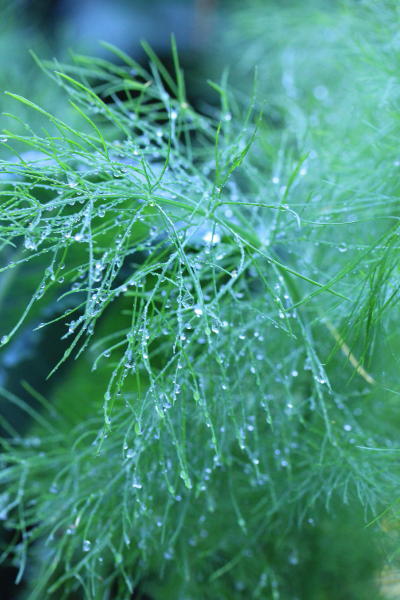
{"x": 320, "y": 92}
{"x": 4, "y": 340}
{"x": 347, "y": 427}
{"x": 29, "y": 244}
{"x": 307, "y": 364}
{"x": 87, "y": 544}
{"x": 211, "y": 238}
{"x": 198, "y": 311}
{"x": 342, "y": 247}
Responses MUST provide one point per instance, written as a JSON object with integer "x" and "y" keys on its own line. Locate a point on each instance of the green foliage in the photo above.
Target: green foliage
{"x": 228, "y": 280}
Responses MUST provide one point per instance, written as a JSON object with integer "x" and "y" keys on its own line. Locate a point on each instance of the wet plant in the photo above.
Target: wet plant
{"x": 226, "y": 398}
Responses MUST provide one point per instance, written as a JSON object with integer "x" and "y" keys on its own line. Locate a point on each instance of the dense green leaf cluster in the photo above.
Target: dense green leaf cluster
{"x": 227, "y": 283}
